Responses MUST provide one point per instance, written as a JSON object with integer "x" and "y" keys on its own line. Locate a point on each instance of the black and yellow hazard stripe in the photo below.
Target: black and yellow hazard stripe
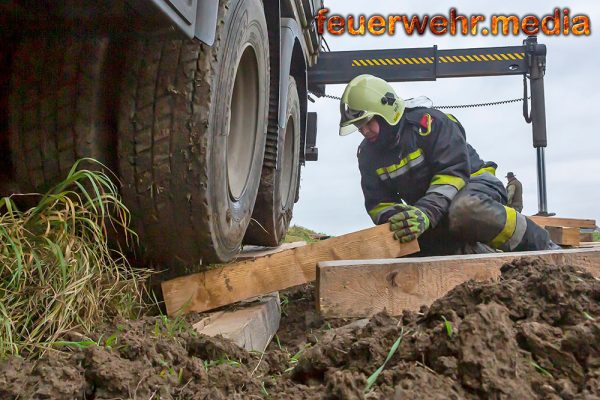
{"x": 381, "y": 62}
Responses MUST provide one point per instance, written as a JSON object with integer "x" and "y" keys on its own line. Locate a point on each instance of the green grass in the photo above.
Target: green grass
{"x": 540, "y": 369}
{"x": 294, "y": 359}
{"x": 371, "y": 379}
{"x": 207, "y": 364}
{"x": 299, "y": 233}
{"x": 86, "y": 342}
{"x": 448, "y": 326}
{"x": 596, "y": 236}
{"x": 57, "y": 272}
{"x": 170, "y": 327}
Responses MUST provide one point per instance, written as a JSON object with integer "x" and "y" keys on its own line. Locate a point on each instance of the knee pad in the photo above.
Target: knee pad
{"x": 462, "y": 211}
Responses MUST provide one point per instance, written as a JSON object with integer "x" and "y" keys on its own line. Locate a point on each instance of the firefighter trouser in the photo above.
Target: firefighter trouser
{"x": 478, "y": 214}
{"x": 518, "y": 208}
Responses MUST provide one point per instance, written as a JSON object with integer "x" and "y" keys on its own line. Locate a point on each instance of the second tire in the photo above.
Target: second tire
{"x": 279, "y": 186}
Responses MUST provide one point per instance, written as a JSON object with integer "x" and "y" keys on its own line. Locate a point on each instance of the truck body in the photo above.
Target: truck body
{"x": 198, "y": 106}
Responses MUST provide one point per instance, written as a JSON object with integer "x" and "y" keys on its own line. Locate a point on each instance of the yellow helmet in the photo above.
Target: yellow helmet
{"x": 367, "y": 96}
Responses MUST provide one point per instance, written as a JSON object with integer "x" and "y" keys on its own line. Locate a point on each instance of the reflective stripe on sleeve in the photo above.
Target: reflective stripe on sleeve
{"x": 455, "y": 181}
{"x": 513, "y": 231}
{"x": 448, "y": 191}
{"x": 481, "y": 171}
{"x": 379, "y": 210}
{"x": 520, "y": 229}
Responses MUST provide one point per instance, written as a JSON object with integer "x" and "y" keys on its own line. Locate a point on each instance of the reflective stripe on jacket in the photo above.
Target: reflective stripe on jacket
{"x": 426, "y": 166}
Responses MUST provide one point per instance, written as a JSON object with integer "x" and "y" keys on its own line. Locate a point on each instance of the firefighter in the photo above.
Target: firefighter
{"x": 419, "y": 174}
{"x": 515, "y": 192}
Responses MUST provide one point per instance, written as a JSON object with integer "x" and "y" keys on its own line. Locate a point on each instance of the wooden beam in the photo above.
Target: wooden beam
{"x": 363, "y": 288}
{"x": 589, "y": 244}
{"x": 586, "y": 237}
{"x": 564, "y": 236}
{"x": 568, "y": 222}
{"x": 254, "y": 252}
{"x": 252, "y": 326}
{"x": 225, "y": 285}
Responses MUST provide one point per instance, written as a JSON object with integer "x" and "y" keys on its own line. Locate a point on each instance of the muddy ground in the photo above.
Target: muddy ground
{"x": 533, "y": 334}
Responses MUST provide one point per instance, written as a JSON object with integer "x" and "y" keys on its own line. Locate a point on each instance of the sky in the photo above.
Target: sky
{"x": 331, "y": 200}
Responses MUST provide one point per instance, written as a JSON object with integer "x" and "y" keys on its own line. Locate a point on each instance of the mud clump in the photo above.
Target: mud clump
{"x": 534, "y": 333}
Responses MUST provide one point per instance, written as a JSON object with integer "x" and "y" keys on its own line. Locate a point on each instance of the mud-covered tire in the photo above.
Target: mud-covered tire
{"x": 278, "y": 188}
{"x": 192, "y": 131}
{"x": 56, "y": 108}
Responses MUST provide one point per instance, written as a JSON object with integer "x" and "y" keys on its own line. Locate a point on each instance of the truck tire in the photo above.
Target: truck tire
{"x": 56, "y": 108}
{"x": 192, "y": 135}
{"x": 278, "y": 189}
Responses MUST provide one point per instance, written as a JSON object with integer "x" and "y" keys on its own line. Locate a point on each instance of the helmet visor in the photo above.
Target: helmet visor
{"x": 352, "y": 120}
{"x": 356, "y": 126}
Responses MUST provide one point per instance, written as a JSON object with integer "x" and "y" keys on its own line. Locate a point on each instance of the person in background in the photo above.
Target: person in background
{"x": 514, "y": 189}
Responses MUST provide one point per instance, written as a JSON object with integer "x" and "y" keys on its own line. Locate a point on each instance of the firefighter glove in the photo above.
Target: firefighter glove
{"x": 409, "y": 223}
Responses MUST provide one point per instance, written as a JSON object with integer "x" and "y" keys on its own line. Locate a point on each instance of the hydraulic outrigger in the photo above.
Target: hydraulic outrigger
{"x": 429, "y": 64}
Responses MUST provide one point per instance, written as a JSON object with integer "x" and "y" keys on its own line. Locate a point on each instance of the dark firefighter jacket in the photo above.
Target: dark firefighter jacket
{"x": 425, "y": 165}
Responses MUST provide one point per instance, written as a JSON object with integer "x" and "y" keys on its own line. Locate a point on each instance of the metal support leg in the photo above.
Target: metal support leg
{"x": 537, "y": 65}
{"x": 541, "y": 182}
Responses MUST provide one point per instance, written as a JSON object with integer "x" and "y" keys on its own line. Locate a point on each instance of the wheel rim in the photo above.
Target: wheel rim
{"x": 243, "y": 123}
{"x": 287, "y": 163}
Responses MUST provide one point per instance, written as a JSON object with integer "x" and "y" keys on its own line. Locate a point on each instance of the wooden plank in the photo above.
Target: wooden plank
{"x": 568, "y": 222}
{"x": 363, "y": 288}
{"x": 228, "y": 284}
{"x": 251, "y": 327}
{"x": 254, "y": 252}
{"x": 586, "y": 237}
{"x": 563, "y": 235}
{"x": 589, "y": 244}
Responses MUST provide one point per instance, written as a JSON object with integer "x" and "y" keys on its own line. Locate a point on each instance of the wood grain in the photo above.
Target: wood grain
{"x": 363, "y": 288}
{"x": 255, "y": 252}
{"x": 568, "y": 222}
{"x": 563, "y": 235}
{"x": 221, "y": 286}
{"x": 252, "y": 326}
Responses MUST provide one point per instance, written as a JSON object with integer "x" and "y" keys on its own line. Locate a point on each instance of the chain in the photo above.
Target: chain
{"x": 324, "y": 95}
{"x": 495, "y": 103}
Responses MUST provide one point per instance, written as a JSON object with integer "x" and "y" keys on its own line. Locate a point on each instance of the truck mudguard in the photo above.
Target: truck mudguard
{"x": 195, "y": 18}
{"x": 290, "y": 31}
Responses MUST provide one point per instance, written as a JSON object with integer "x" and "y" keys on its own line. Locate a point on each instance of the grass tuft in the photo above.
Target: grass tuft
{"x": 300, "y": 234}
{"x": 57, "y": 272}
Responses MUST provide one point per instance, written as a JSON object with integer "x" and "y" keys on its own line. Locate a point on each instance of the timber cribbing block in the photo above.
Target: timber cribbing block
{"x": 565, "y": 236}
{"x": 243, "y": 280}
{"x": 568, "y": 222}
{"x": 363, "y": 288}
{"x": 252, "y": 326}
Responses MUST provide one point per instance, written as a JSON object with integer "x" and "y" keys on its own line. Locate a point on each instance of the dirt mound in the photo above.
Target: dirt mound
{"x": 532, "y": 334}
